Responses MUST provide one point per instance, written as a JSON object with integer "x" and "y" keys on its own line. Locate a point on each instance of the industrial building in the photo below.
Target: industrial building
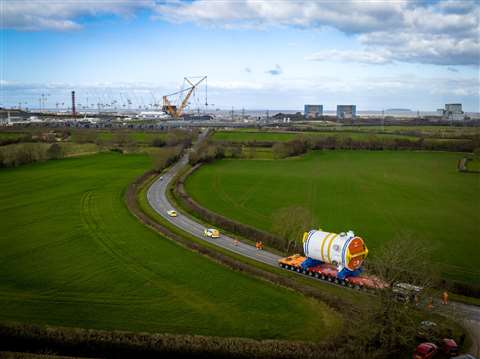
{"x": 313, "y": 111}
{"x": 346, "y": 112}
{"x": 453, "y": 112}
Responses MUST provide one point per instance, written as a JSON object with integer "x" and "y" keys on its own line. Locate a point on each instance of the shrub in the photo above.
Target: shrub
{"x": 158, "y": 142}
{"x": 294, "y": 147}
{"x": 180, "y": 137}
{"x": 207, "y": 153}
{"x": 166, "y": 157}
{"x": 23, "y": 153}
{"x": 55, "y": 152}
{"x": 85, "y": 136}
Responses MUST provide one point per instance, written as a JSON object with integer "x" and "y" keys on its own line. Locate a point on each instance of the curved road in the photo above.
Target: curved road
{"x": 157, "y": 198}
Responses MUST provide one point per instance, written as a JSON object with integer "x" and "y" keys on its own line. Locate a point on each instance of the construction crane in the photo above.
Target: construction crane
{"x": 177, "y": 110}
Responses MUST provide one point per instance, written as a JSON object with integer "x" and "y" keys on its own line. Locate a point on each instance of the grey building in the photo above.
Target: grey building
{"x": 453, "y": 112}
{"x": 313, "y": 111}
{"x": 346, "y": 111}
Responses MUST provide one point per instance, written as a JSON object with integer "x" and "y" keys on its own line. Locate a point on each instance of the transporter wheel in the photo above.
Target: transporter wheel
{"x": 323, "y": 277}
{"x": 310, "y": 273}
{"x": 316, "y": 275}
{"x": 298, "y": 270}
{"x": 350, "y": 285}
{"x": 330, "y": 279}
{"x": 357, "y": 287}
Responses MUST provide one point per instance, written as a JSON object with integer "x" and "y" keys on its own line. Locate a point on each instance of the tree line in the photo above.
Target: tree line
{"x": 301, "y": 144}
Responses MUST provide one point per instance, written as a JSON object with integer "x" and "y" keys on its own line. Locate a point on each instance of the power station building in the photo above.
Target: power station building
{"x": 346, "y": 112}
{"x": 453, "y": 112}
{"x": 313, "y": 111}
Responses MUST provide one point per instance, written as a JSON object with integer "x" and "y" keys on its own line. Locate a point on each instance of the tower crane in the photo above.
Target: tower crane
{"x": 177, "y": 110}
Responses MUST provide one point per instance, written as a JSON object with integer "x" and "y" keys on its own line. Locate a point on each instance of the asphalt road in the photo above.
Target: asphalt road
{"x": 158, "y": 200}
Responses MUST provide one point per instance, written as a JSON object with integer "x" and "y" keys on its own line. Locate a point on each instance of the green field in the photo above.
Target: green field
{"x": 428, "y": 131}
{"x": 380, "y": 195}
{"x": 71, "y": 254}
{"x": 4, "y": 135}
{"x": 275, "y": 136}
{"x": 141, "y": 137}
{"x": 387, "y": 133}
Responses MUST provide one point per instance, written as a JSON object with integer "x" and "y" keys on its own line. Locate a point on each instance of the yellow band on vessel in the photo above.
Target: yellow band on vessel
{"x": 323, "y": 245}
{"x": 305, "y": 235}
{"x": 330, "y": 246}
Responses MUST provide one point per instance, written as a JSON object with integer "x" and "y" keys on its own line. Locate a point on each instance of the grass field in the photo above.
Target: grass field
{"x": 141, "y": 137}
{"x": 72, "y": 255}
{"x": 429, "y": 131}
{"x": 242, "y": 136}
{"x": 275, "y": 136}
{"x": 11, "y": 135}
{"x": 381, "y": 195}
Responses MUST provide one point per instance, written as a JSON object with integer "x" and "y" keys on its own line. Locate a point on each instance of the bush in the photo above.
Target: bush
{"x": 55, "y": 152}
{"x": 294, "y": 147}
{"x": 166, "y": 157}
{"x": 124, "y": 139}
{"x": 20, "y": 154}
{"x": 121, "y": 344}
{"x": 207, "y": 153}
{"x": 85, "y": 136}
{"x": 180, "y": 137}
{"x": 158, "y": 142}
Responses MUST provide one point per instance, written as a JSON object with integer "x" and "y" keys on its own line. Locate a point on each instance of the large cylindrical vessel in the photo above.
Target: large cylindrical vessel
{"x": 344, "y": 250}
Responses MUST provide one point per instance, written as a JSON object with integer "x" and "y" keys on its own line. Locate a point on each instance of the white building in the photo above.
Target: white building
{"x": 346, "y": 112}
{"x": 313, "y": 111}
{"x": 453, "y": 112}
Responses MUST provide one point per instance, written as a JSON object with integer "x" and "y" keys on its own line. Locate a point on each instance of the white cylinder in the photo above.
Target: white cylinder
{"x": 344, "y": 250}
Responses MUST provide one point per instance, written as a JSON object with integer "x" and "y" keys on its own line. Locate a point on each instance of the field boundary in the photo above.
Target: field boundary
{"x": 125, "y": 344}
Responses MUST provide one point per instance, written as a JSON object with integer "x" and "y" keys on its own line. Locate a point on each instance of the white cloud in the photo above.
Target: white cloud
{"x": 443, "y": 33}
{"x": 32, "y": 15}
{"x": 368, "y": 57}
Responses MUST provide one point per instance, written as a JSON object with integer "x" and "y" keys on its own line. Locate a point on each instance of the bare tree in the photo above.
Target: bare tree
{"x": 391, "y": 321}
{"x": 290, "y": 223}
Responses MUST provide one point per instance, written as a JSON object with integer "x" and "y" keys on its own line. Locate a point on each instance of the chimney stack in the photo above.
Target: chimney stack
{"x": 74, "y": 112}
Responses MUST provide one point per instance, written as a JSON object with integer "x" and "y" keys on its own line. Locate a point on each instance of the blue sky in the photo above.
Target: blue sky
{"x": 257, "y": 54}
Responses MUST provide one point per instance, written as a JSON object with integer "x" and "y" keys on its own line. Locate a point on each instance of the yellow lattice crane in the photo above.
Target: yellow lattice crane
{"x": 177, "y": 110}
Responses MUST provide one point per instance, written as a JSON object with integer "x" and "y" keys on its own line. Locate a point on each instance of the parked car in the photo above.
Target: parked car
{"x": 449, "y": 347}
{"x": 172, "y": 213}
{"x": 425, "y": 351}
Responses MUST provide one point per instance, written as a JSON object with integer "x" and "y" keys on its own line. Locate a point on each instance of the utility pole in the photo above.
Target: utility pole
{"x": 232, "y": 114}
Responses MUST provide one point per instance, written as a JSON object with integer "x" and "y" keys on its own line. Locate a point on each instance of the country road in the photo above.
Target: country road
{"x": 157, "y": 198}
